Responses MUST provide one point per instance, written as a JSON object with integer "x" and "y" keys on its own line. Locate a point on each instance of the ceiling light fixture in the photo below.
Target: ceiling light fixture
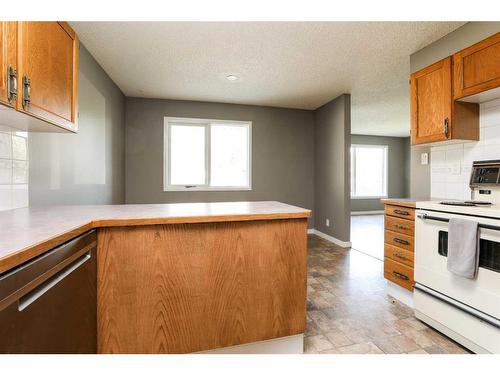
{"x": 232, "y": 77}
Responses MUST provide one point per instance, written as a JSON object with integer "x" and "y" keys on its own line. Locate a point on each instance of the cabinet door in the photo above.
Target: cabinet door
{"x": 477, "y": 68}
{"x": 431, "y": 103}
{"x": 48, "y": 72}
{"x": 8, "y": 62}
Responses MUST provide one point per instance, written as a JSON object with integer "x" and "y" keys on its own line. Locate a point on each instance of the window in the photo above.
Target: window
{"x": 368, "y": 171}
{"x": 207, "y": 154}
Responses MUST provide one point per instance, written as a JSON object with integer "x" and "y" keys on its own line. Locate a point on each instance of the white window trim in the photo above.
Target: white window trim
{"x": 386, "y": 176}
{"x": 206, "y": 123}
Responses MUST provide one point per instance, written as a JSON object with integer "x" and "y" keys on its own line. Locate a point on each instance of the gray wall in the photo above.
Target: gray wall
{"x": 282, "y": 151}
{"x": 88, "y": 167}
{"x": 461, "y": 38}
{"x": 332, "y": 168}
{"x": 398, "y": 159}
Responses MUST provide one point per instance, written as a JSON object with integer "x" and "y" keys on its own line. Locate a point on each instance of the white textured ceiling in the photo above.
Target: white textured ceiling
{"x": 283, "y": 64}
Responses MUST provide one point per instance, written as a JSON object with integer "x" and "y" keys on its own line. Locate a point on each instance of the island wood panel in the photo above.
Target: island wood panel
{"x": 181, "y": 288}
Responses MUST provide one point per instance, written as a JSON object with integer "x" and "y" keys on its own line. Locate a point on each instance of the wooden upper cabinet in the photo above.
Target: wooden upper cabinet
{"x": 435, "y": 117}
{"x": 48, "y": 72}
{"x": 430, "y": 103}
{"x": 477, "y": 68}
{"x": 8, "y": 63}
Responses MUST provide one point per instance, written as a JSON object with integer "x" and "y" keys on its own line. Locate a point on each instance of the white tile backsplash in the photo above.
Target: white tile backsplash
{"x": 13, "y": 169}
{"x": 451, "y": 164}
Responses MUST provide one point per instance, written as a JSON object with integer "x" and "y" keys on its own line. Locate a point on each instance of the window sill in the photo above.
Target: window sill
{"x": 204, "y": 188}
{"x": 375, "y": 197}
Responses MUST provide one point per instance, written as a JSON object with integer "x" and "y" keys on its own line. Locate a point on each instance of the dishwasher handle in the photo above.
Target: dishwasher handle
{"x": 48, "y": 284}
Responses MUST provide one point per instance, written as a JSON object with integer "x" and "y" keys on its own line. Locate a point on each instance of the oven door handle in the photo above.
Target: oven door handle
{"x": 444, "y": 220}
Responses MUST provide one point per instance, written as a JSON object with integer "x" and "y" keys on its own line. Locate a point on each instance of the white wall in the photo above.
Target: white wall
{"x": 13, "y": 169}
{"x": 451, "y": 165}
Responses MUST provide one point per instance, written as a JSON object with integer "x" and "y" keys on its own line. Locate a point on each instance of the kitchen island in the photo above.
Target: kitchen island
{"x": 182, "y": 278}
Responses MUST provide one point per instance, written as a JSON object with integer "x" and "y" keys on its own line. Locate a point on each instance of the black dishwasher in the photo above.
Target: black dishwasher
{"x": 49, "y": 304}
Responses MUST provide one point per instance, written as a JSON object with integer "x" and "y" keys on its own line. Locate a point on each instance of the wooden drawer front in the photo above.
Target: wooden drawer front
{"x": 398, "y": 273}
{"x": 398, "y": 211}
{"x": 399, "y": 255}
{"x": 399, "y": 240}
{"x": 477, "y": 68}
{"x": 400, "y": 225}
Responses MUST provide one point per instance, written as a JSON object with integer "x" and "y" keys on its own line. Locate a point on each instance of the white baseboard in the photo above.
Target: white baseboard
{"x": 356, "y": 213}
{"x": 401, "y": 294}
{"x": 325, "y": 236}
{"x": 282, "y": 345}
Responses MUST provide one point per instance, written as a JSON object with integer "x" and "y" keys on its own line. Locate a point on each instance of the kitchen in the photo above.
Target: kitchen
{"x": 211, "y": 216}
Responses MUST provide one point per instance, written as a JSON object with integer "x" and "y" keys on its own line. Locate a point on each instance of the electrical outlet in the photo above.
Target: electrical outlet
{"x": 327, "y": 222}
{"x": 424, "y": 158}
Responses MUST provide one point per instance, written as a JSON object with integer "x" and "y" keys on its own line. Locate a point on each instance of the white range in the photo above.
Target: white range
{"x": 467, "y": 310}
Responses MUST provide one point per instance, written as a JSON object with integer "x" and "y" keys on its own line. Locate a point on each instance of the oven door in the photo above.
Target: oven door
{"x": 431, "y": 248}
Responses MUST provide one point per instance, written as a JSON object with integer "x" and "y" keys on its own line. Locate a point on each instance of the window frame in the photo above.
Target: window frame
{"x": 206, "y": 123}
{"x": 385, "y": 171}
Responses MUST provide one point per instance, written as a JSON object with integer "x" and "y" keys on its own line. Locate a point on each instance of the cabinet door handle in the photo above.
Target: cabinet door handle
{"x": 399, "y": 275}
{"x": 398, "y": 255}
{"x": 400, "y": 241}
{"x": 26, "y": 92}
{"x": 446, "y": 127}
{"x": 401, "y": 212}
{"x": 11, "y": 84}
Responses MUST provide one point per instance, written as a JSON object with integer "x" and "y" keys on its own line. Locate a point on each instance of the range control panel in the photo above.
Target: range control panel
{"x": 485, "y": 173}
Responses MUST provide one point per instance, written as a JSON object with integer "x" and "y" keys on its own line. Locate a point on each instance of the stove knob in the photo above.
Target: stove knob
{"x": 480, "y": 179}
{"x": 482, "y": 171}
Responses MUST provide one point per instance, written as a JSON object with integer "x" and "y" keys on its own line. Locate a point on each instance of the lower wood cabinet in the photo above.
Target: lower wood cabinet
{"x": 399, "y": 244}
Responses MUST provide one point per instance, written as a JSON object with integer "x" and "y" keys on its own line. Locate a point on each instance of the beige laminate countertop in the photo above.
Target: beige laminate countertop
{"x": 28, "y": 232}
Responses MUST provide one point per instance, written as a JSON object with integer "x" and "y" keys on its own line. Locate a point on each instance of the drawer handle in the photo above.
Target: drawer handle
{"x": 400, "y": 241}
{"x": 398, "y": 255}
{"x": 401, "y": 212}
{"x": 399, "y": 226}
{"x": 401, "y": 276}
{"x": 43, "y": 288}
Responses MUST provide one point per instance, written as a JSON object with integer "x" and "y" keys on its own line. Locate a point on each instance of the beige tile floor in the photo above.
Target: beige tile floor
{"x": 349, "y": 311}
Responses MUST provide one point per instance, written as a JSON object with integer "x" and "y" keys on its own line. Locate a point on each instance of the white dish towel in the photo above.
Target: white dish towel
{"x": 463, "y": 248}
